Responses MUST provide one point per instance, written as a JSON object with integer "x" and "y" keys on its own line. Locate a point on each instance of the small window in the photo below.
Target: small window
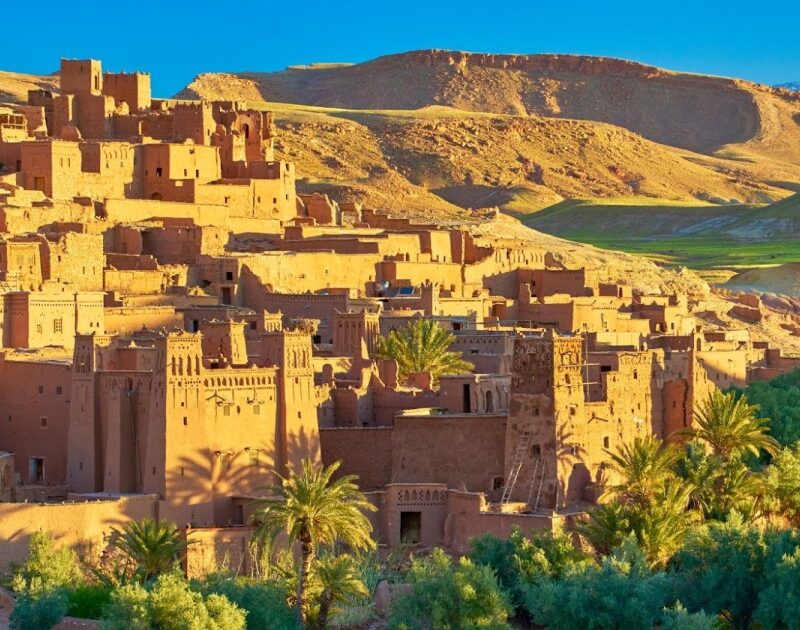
{"x": 498, "y": 483}
{"x": 536, "y": 450}
{"x": 58, "y": 325}
{"x": 43, "y": 421}
{"x": 197, "y": 173}
{"x": 606, "y": 442}
{"x": 229, "y": 275}
{"x": 159, "y": 171}
{"x": 185, "y": 421}
{"x": 299, "y": 414}
{"x": 40, "y": 389}
{"x": 39, "y": 328}
{"x": 536, "y": 411}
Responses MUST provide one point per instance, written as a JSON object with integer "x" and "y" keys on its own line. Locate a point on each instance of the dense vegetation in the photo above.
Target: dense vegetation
{"x": 699, "y": 533}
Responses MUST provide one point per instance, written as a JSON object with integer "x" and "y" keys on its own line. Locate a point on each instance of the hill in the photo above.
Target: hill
{"x": 699, "y": 236}
{"x": 695, "y": 112}
{"x": 14, "y": 86}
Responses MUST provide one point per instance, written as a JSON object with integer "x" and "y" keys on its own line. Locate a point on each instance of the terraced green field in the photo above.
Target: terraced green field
{"x": 696, "y": 236}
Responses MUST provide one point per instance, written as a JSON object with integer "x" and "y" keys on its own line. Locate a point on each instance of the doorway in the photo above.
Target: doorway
{"x": 410, "y": 527}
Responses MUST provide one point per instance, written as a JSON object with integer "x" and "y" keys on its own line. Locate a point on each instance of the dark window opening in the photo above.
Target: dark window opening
{"x": 159, "y": 171}
{"x": 410, "y": 527}
{"x": 467, "y": 402}
{"x": 229, "y": 275}
{"x": 606, "y": 442}
{"x": 605, "y": 368}
{"x": 36, "y": 470}
{"x": 536, "y": 450}
{"x": 498, "y": 483}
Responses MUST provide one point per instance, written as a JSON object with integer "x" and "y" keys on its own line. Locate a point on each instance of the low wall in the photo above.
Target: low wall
{"x": 213, "y": 548}
{"x": 70, "y": 523}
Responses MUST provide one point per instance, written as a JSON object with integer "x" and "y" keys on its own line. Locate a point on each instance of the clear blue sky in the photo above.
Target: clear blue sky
{"x": 176, "y": 40}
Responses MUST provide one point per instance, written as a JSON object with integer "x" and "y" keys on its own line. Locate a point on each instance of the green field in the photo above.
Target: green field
{"x": 697, "y": 236}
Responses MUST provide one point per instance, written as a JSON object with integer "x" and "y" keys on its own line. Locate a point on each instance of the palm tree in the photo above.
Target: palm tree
{"x": 643, "y": 467}
{"x": 731, "y": 427}
{"x": 661, "y": 525}
{"x": 153, "y": 547}
{"x": 606, "y": 527}
{"x": 339, "y": 580}
{"x": 315, "y": 510}
{"x": 422, "y": 346}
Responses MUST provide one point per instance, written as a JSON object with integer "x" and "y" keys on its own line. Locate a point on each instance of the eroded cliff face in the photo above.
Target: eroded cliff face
{"x": 695, "y": 112}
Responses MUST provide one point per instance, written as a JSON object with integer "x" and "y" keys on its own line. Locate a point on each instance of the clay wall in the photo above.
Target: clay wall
{"x": 131, "y": 88}
{"x": 82, "y": 524}
{"x": 366, "y": 452}
{"x": 34, "y": 417}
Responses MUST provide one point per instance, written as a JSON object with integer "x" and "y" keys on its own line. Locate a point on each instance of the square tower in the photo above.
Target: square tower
{"x": 81, "y": 76}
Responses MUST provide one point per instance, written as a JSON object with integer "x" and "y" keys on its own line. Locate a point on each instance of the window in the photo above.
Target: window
{"x": 39, "y": 328}
{"x": 197, "y": 173}
{"x": 229, "y": 275}
{"x": 159, "y": 171}
{"x": 606, "y": 442}
{"x": 185, "y": 421}
{"x": 536, "y": 450}
{"x": 58, "y": 325}
{"x": 43, "y": 421}
{"x": 498, "y": 483}
{"x": 253, "y": 325}
{"x": 40, "y": 389}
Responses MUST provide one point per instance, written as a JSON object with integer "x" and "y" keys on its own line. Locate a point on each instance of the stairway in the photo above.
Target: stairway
{"x": 516, "y": 464}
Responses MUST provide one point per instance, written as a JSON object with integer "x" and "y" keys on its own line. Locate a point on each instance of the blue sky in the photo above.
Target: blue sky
{"x": 176, "y": 40}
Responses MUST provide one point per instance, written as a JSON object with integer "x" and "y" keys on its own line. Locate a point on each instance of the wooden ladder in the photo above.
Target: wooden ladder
{"x": 538, "y": 476}
{"x": 516, "y": 464}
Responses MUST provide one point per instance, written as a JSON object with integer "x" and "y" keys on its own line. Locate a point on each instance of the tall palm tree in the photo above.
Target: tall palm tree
{"x": 422, "y": 346}
{"x": 153, "y": 547}
{"x": 643, "y": 467}
{"x": 339, "y": 581}
{"x": 731, "y": 427}
{"x": 315, "y": 510}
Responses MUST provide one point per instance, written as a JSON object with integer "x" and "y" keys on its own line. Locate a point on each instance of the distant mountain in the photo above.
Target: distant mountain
{"x": 792, "y": 85}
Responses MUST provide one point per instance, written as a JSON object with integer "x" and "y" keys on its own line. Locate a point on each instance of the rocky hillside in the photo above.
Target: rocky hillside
{"x": 695, "y": 112}
{"x": 14, "y": 86}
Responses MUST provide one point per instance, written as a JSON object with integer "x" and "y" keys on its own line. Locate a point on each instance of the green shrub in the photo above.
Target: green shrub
{"x": 46, "y": 568}
{"x": 678, "y": 618}
{"x": 621, "y": 593}
{"x": 87, "y": 601}
{"x": 128, "y": 609}
{"x": 39, "y": 611}
{"x": 265, "y": 602}
{"x": 170, "y": 605}
{"x": 447, "y": 595}
{"x": 519, "y": 562}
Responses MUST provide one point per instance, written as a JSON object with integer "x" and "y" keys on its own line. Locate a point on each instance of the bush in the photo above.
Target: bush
{"x": 46, "y": 568}
{"x": 87, "y": 601}
{"x": 621, "y": 593}
{"x": 127, "y": 609}
{"x": 265, "y": 602}
{"x": 519, "y": 562}
{"x": 39, "y": 611}
{"x": 444, "y": 596}
{"x": 170, "y": 605}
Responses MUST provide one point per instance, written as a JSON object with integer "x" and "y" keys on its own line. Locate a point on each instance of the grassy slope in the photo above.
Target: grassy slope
{"x": 697, "y": 236}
